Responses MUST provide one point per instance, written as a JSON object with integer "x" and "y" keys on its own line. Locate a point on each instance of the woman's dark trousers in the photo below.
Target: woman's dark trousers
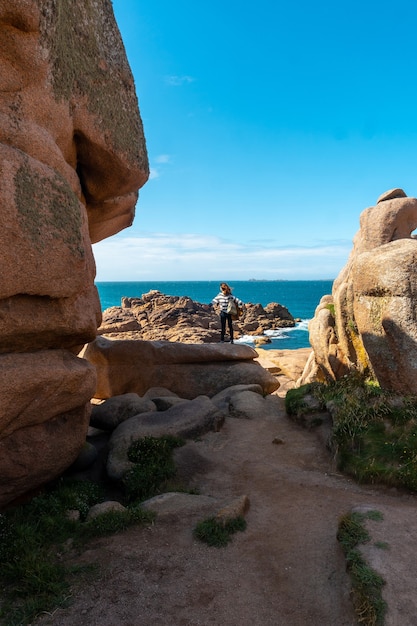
{"x": 223, "y": 317}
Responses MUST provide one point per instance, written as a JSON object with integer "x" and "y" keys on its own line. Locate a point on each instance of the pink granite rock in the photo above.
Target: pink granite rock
{"x": 189, "y": 370}
{"x": 72, "y": 158}
{"x": 370, "y": 323}
{"x": 156, "y": 316}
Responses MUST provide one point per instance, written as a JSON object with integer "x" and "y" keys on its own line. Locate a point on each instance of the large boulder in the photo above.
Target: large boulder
{"x": 369, "y": 322}
{"x": 189, "y": 370}
{"x": 72, "y": 158}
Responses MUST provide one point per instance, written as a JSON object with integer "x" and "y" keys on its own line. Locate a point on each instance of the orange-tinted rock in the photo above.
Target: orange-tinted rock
{"x": 370, "y": 324}
{"x": 72, "y": 158}
{"x": 156, "y": 316}
{"x": 189, "y": 370}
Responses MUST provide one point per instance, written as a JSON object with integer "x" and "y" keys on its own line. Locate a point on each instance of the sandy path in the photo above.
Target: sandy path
{"x": 286, "y": 569}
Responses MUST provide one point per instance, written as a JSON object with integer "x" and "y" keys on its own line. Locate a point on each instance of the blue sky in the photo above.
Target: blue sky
{"x": 270, "y": 126}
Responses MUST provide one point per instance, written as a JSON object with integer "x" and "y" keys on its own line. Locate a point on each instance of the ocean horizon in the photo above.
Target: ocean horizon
{"x": 300, "y": 297}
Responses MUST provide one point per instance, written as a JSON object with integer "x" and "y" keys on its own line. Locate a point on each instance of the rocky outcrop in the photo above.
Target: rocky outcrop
{"x": 369, "y": 321}
{"x": 134, "y": 366}
{"x": 186, "y": 420}
{"x": 156, "y": 316}
{"x": 72, "y": 158}
{"x": 189, "y": 420}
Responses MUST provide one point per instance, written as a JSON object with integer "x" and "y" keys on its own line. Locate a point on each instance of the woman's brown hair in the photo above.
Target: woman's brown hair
{"x": 225, "y": 288}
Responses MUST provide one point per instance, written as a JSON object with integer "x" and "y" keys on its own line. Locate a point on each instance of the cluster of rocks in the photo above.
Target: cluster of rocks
{"x": 157, "y": 316}
{"x": 369, "y": 323}
{"x": 121, "y": 420}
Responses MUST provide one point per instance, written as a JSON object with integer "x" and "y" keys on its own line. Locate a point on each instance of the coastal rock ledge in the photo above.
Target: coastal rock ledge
{"x": 156, "y": 316}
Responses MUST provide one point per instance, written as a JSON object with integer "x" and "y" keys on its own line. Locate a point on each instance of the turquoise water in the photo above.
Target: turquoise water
{"x": 299, "y": 296}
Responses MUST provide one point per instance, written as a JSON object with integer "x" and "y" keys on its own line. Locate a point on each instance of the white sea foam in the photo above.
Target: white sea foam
{"x": 285, "y": 332}
{"x": 279, "y": 335}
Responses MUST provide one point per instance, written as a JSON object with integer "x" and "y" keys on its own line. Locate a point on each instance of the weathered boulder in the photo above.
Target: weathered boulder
{"x": 181, "y": 504}
{"x": 112, "y": 412}
{"x": 223, "y": 399}
{"x": 248, "y": 405}
{"x": 187, "y": 420}
{"x": 369, "y": 322}
{"x": 39, "y": 386}
{"x": 105, "y": 507}
{"x": 190, "y": 370}
{"x": 31, "y": 456}
{"x": 385, "y": 312}
{"x": 156, "y": 316}
{"x": 247, "y": 402}
{"x": 72, "y": 158}
{"x": 186, "y": 504}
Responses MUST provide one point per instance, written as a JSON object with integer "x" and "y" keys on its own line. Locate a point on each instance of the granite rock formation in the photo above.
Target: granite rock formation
{"x": 134, "y": 366}
{"x": 369, "y": 322}
{"x": 156, "y": 316}
{"x": 72, "y": 158}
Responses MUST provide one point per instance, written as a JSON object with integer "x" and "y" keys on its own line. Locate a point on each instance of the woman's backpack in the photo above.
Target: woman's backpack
{"x": 233, "y": 310}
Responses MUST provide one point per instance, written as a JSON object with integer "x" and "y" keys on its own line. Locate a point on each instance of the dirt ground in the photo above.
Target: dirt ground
{"x": 285, "y": 569}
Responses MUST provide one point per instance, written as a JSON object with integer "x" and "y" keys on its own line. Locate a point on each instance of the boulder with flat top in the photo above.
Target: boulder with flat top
{"x": 189, "y": 370}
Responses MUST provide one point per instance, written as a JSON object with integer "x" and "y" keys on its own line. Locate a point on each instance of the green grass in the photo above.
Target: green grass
{"x": 366, "y": 583}
{"x": 217, "y": 533}
{"x": 154, "y": 466}
{"x": 35, "y": 539}
{"x": 295, "y": 403}
{"x": 374, "y": 433}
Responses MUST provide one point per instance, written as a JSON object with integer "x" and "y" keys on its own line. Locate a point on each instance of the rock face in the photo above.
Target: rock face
{"x": 72, "y": 158}
{"x": 134, "y": 366}
{"x": 369, "y": 321}
{"x": 157, "y": 316}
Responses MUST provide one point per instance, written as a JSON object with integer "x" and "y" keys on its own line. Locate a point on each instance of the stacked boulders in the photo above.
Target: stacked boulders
{"x": 156, "y": 316}
{"x": 72, "y": 158}
{"x": 369, "y": 322}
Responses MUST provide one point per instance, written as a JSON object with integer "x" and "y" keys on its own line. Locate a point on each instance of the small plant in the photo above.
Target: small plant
{"x": 330, "y": 307}
{"x": 217, "y": 533}
{"x": 154, "y": 465}
{"x": 367, "y": 584}
{"x": 35, "y": 536}
{"x": 295, "y": 400}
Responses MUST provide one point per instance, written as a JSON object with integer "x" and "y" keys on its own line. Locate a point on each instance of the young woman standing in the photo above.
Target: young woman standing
{"x": 223, "y": 299}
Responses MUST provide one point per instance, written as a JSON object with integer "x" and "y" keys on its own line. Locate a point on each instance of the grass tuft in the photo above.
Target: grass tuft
{"x": 154, "y": 466}
{"x": 374, "y": 433}
{"x": 34, "y": 541}
{"x": 217, "y": 533}
{"x": 366, "y": 583}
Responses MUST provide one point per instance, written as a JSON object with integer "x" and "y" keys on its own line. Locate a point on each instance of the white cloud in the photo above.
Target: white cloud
{"x": 162, "y": 256}
{"x": 162, "y": 158}
{"x": 178, "y": 81}
{"x": 153, "y": 173}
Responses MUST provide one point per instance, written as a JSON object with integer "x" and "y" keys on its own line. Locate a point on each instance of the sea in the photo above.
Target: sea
{"x": 300, "y": 297}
